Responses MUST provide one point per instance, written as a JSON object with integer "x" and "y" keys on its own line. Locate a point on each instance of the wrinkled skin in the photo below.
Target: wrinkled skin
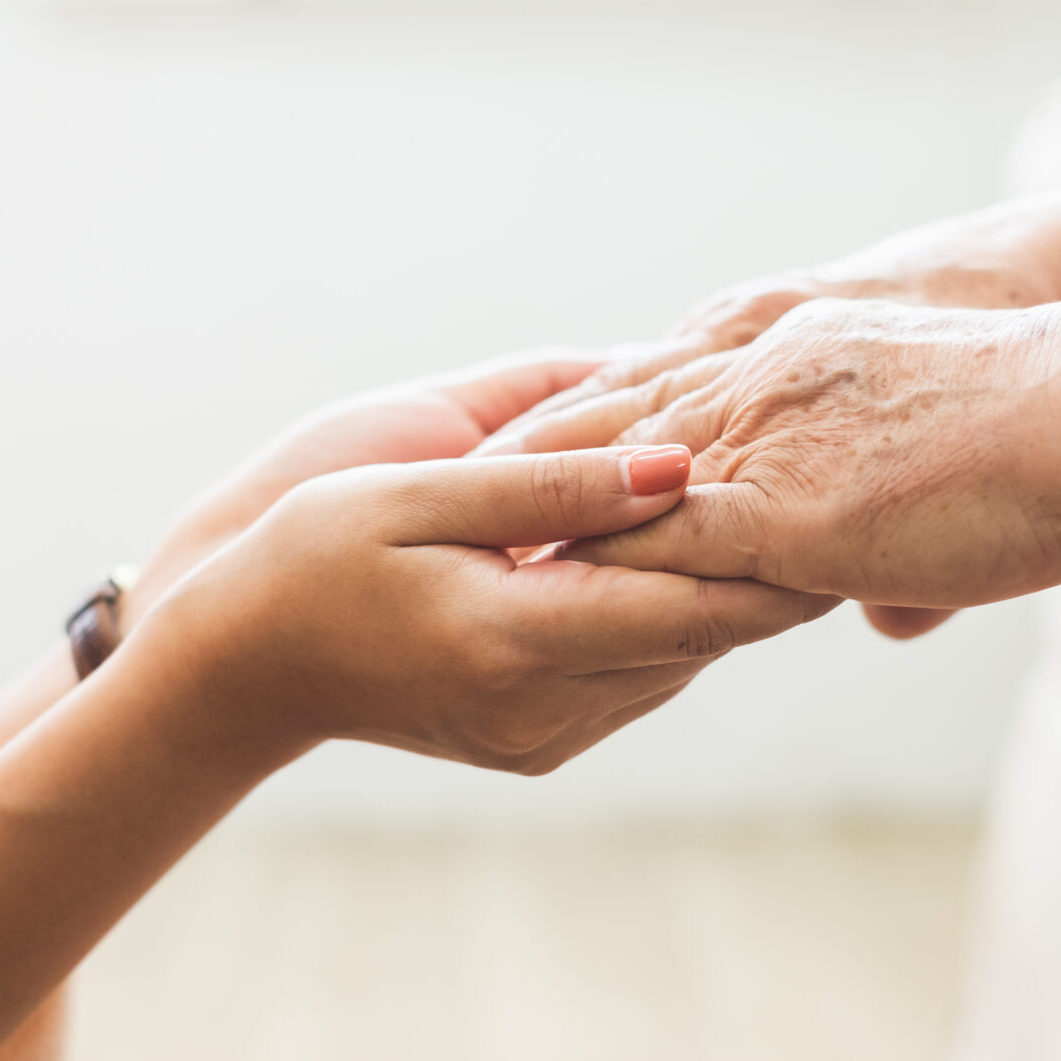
{"x": 1008, "y": 256}
{"x": 889, "y": 454}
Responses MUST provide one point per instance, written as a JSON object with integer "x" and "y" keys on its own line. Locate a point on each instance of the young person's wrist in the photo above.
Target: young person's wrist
{"x": 125, "y": 774}
{"x": 204, "y": 644}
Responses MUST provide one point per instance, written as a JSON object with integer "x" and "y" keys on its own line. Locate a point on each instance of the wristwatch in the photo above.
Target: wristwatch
{"x": 95, "y": 628}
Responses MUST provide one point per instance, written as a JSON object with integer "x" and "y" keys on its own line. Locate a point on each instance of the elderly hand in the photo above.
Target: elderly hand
{"x": 1003, "y": 257}
{"x": 896, "y": 455}
{"x": 428, "y": 419}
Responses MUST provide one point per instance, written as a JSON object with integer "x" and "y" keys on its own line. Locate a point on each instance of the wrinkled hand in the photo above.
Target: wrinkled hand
{"x": 1004, "y": 257}
{"x": 895, "y": 455}
{"x": 433, "y": 418}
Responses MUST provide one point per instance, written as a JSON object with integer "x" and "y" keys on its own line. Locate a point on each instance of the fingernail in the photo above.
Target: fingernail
{"x": 658, "y": 469}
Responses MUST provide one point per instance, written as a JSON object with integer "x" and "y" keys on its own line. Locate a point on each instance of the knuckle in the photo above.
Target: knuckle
{"x": 746, "y": 523}
{"x": 815, "y": 605}
{"x": 695, "y": 518}
{"x": 496, "y": 665}
{"x": 658, "y": 394}
{"x": 663, "y": 419}
{"x": 324, "y": 497}
{"x": 758, "y": 309}
{"x": 516, "y": 746}
{"x": 491, "y": 661}
{"x": 738, "y": 315}
{"x": 511, "y": 731}
{"x": 690, "y": 418}
{"x": 770, "y": 303}
{"x": 789, "y": 328}
{"x": 817, "y": 312}
{"x": 619, "y": 373}
{"x": 711, "y": 633}
{"x": 541, "y": 764}
{"x": 532, "y": 762}
{"x": 557, "y": 488}
{"x": 704, "y": 519}
{"x": 592, "y": 386}
{"x": 744, "y": 327}
{"x": 643, "y": 432}
{"x": 302, "y": 498}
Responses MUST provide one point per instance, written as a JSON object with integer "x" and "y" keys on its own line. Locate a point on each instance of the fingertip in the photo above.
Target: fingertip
{"x": 904, "y": 624}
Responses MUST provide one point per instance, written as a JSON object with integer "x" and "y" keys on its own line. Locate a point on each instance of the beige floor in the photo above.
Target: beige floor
{"x": 795, "y": 943}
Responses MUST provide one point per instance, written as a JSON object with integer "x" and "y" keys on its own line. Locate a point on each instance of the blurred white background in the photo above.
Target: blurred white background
{"x": 214, "y": 216}
{"x": 213, "y": 219}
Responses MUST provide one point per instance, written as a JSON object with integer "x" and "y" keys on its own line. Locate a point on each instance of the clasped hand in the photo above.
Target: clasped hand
{"x": 894, "y": 452}
{"x": 347, "y": 595}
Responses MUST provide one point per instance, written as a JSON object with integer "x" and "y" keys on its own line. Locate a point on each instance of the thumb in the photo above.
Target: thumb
{"x": 502, "y": 389}
{"x": 529, "y": 500}
{"x": 717, "y": 532}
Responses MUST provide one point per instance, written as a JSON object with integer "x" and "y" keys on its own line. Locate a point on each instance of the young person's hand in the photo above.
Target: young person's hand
{"x": 441, "y": 416}
{"x": 380, "y": 605}
{"x": 436, "y": 417}
{"x": 377, "y": 604}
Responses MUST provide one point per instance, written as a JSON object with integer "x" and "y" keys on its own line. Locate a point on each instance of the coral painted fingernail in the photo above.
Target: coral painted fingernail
{"x": 657, "y": 469}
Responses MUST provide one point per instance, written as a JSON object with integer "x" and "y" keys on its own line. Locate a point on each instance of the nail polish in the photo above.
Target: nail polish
{"x": 658, "y": 469}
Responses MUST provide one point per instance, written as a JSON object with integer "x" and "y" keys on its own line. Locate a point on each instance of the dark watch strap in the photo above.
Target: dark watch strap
{"x": 94, "y": 628}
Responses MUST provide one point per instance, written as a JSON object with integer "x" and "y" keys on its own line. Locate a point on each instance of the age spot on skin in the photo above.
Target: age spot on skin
{"x": 848, "y": 375}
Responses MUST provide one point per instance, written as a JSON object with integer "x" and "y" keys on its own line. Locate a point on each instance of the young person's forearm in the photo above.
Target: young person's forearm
{"x": 39, "y": 1037}
{"x": 30, "y": 695}
{"x": 101, "y": 795}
